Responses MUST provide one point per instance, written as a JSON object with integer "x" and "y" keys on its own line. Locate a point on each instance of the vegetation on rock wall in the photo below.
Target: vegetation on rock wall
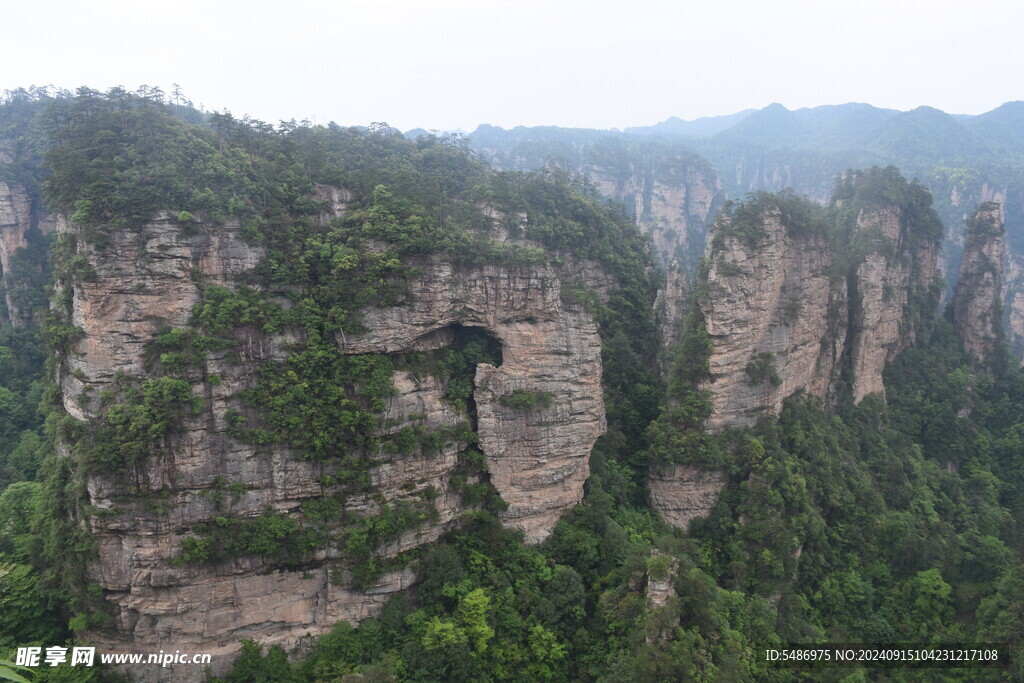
{"x": 876, "y": 522}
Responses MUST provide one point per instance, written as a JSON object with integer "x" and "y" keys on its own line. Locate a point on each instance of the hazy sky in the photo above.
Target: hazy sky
{"x": 445, "y": 64}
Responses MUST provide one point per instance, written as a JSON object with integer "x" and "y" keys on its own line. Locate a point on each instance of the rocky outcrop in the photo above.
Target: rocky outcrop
{"x": 767, "y": 311}
{"x": 670, "y": 306}
{"x": 671, "y": 198}
{"x": 892, "y": 285}
{"x": 671, "y": 193}
{"x": 683, "y": 492}
{"x": 15, "y": 220}
{"x": 796, "y": 299}
{"x": 18, "y": 217}
{"x": 977, "y": 308}
{"x": 789, "y": 310}
{"x": 537, "y": 458}
{"x": 1013, "y": 300}
{"x": 148, "y": 279}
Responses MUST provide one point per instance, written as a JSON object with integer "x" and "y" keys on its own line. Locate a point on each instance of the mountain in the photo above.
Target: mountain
{"x": 697, "y": 128}
{"x": 329, "y": 402}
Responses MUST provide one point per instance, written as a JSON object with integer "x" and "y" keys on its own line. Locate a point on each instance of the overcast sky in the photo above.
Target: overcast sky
{"x": 446, "y": 64}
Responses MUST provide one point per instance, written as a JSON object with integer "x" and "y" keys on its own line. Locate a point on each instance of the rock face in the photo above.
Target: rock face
{"x": 671, "y": 199}
{"x": 670, "y": 307}
{"x": 977, "y": 309}
{"x": 766, "y": 312}
{"x": 894, "y": 277}
{"x": 791, "y": 304}
{"x": 18, "y": 216}
{"x": 781, "y": 315}
{"x": 537, "y": 458}
{"x": 684, "y": 492}
{"x": 148, "y": 279}
{"x": 1013, "y": 298}
{"x": 671, "y": 193}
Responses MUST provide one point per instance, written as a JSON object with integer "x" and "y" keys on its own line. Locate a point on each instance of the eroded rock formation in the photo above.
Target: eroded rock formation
{"x": 796, "y": 299}
{"x": 683, "y": 492}
{"x": 784, "y": 306}
{"x": 18, "y": 216}
{"x": 893, "y": 283}
{"x": 148, "y": 279}
{"x": 671, "y": 193}
{"x": 767, "y": 309}
{"x": 977, "y": 308}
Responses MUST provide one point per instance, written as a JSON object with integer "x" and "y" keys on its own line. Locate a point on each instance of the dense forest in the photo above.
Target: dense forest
{"x": 892, "y": 520}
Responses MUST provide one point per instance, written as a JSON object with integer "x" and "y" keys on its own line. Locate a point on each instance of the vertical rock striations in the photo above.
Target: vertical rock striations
{"x": 770, "y": 290}
{"x": 147, "y": 280}
{"x": 21, "y": 276}
{"x": 894, "y": 287}
{"x": 800, "y": 300}
{"x": 796, "y": 298}
{"x": 977, "y": 307}
{"x": 671, "y": 193}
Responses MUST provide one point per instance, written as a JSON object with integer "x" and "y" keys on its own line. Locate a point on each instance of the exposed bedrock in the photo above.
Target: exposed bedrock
{"x": 148, "y": 279}
{"x": 977, "y": 308}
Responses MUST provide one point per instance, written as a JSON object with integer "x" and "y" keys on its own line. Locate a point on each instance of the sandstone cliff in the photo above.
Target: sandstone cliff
{"x": 767, "y": 310}
{"x": 789, "y": 308}
{"x": 976, "y": 308}
{"x": 684, "y": 492}
{"x": 671, "y": 193}
{"x": 671, "y": 199}
{"x": 894, "y": 282}
{"x": 794, "y": 298}
{"x": 19, "y": 216}
{"x": 146, "y": 280}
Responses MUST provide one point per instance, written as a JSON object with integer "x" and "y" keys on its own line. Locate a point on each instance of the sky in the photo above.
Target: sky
{"x": 454, "y": 64}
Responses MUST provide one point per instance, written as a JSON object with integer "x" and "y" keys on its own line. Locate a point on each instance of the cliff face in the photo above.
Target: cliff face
{"x": 781, "y": 316}
{"x": 684, "y": 492}
{"x": 1013, "y": 298}
{"x": 17, "y": 218}
{"x": 977, "y": 311}
{"x": 671, "y": 193}
{"x": 766, "y": 311}
{"x": 148, "y": 279}
{"x": 671, "y": 200}
{"x": 794, "y": 298}
{"x": 670, "y": 307}
{"x": 891, "y": 283}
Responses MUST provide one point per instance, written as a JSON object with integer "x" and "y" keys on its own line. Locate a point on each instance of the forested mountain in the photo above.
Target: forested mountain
{"x": 334, "y": 404}
{"x": 962, "y": 160}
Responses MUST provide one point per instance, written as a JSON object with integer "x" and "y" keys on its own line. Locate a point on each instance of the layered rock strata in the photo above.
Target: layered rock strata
{"x": 892, "y": 283}
{"x": 671, "y": 193}
{"x": 684, "y": 492}
{"x": 977, "y": 308}
{"x": 766, "y": 310}
{"x": 148, "y": 279}
{"x": 787, "y": 310}
{"x": 782, "y": 317}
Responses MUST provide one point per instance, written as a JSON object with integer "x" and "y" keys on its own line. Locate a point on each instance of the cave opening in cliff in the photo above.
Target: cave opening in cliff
{"x": 453, "y": 353}
{"x": 468, "y": 347}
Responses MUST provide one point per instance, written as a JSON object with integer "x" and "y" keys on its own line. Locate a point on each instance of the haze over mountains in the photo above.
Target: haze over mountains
{"x": 465, "y": 422}
{"x": 963, "y": 160}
